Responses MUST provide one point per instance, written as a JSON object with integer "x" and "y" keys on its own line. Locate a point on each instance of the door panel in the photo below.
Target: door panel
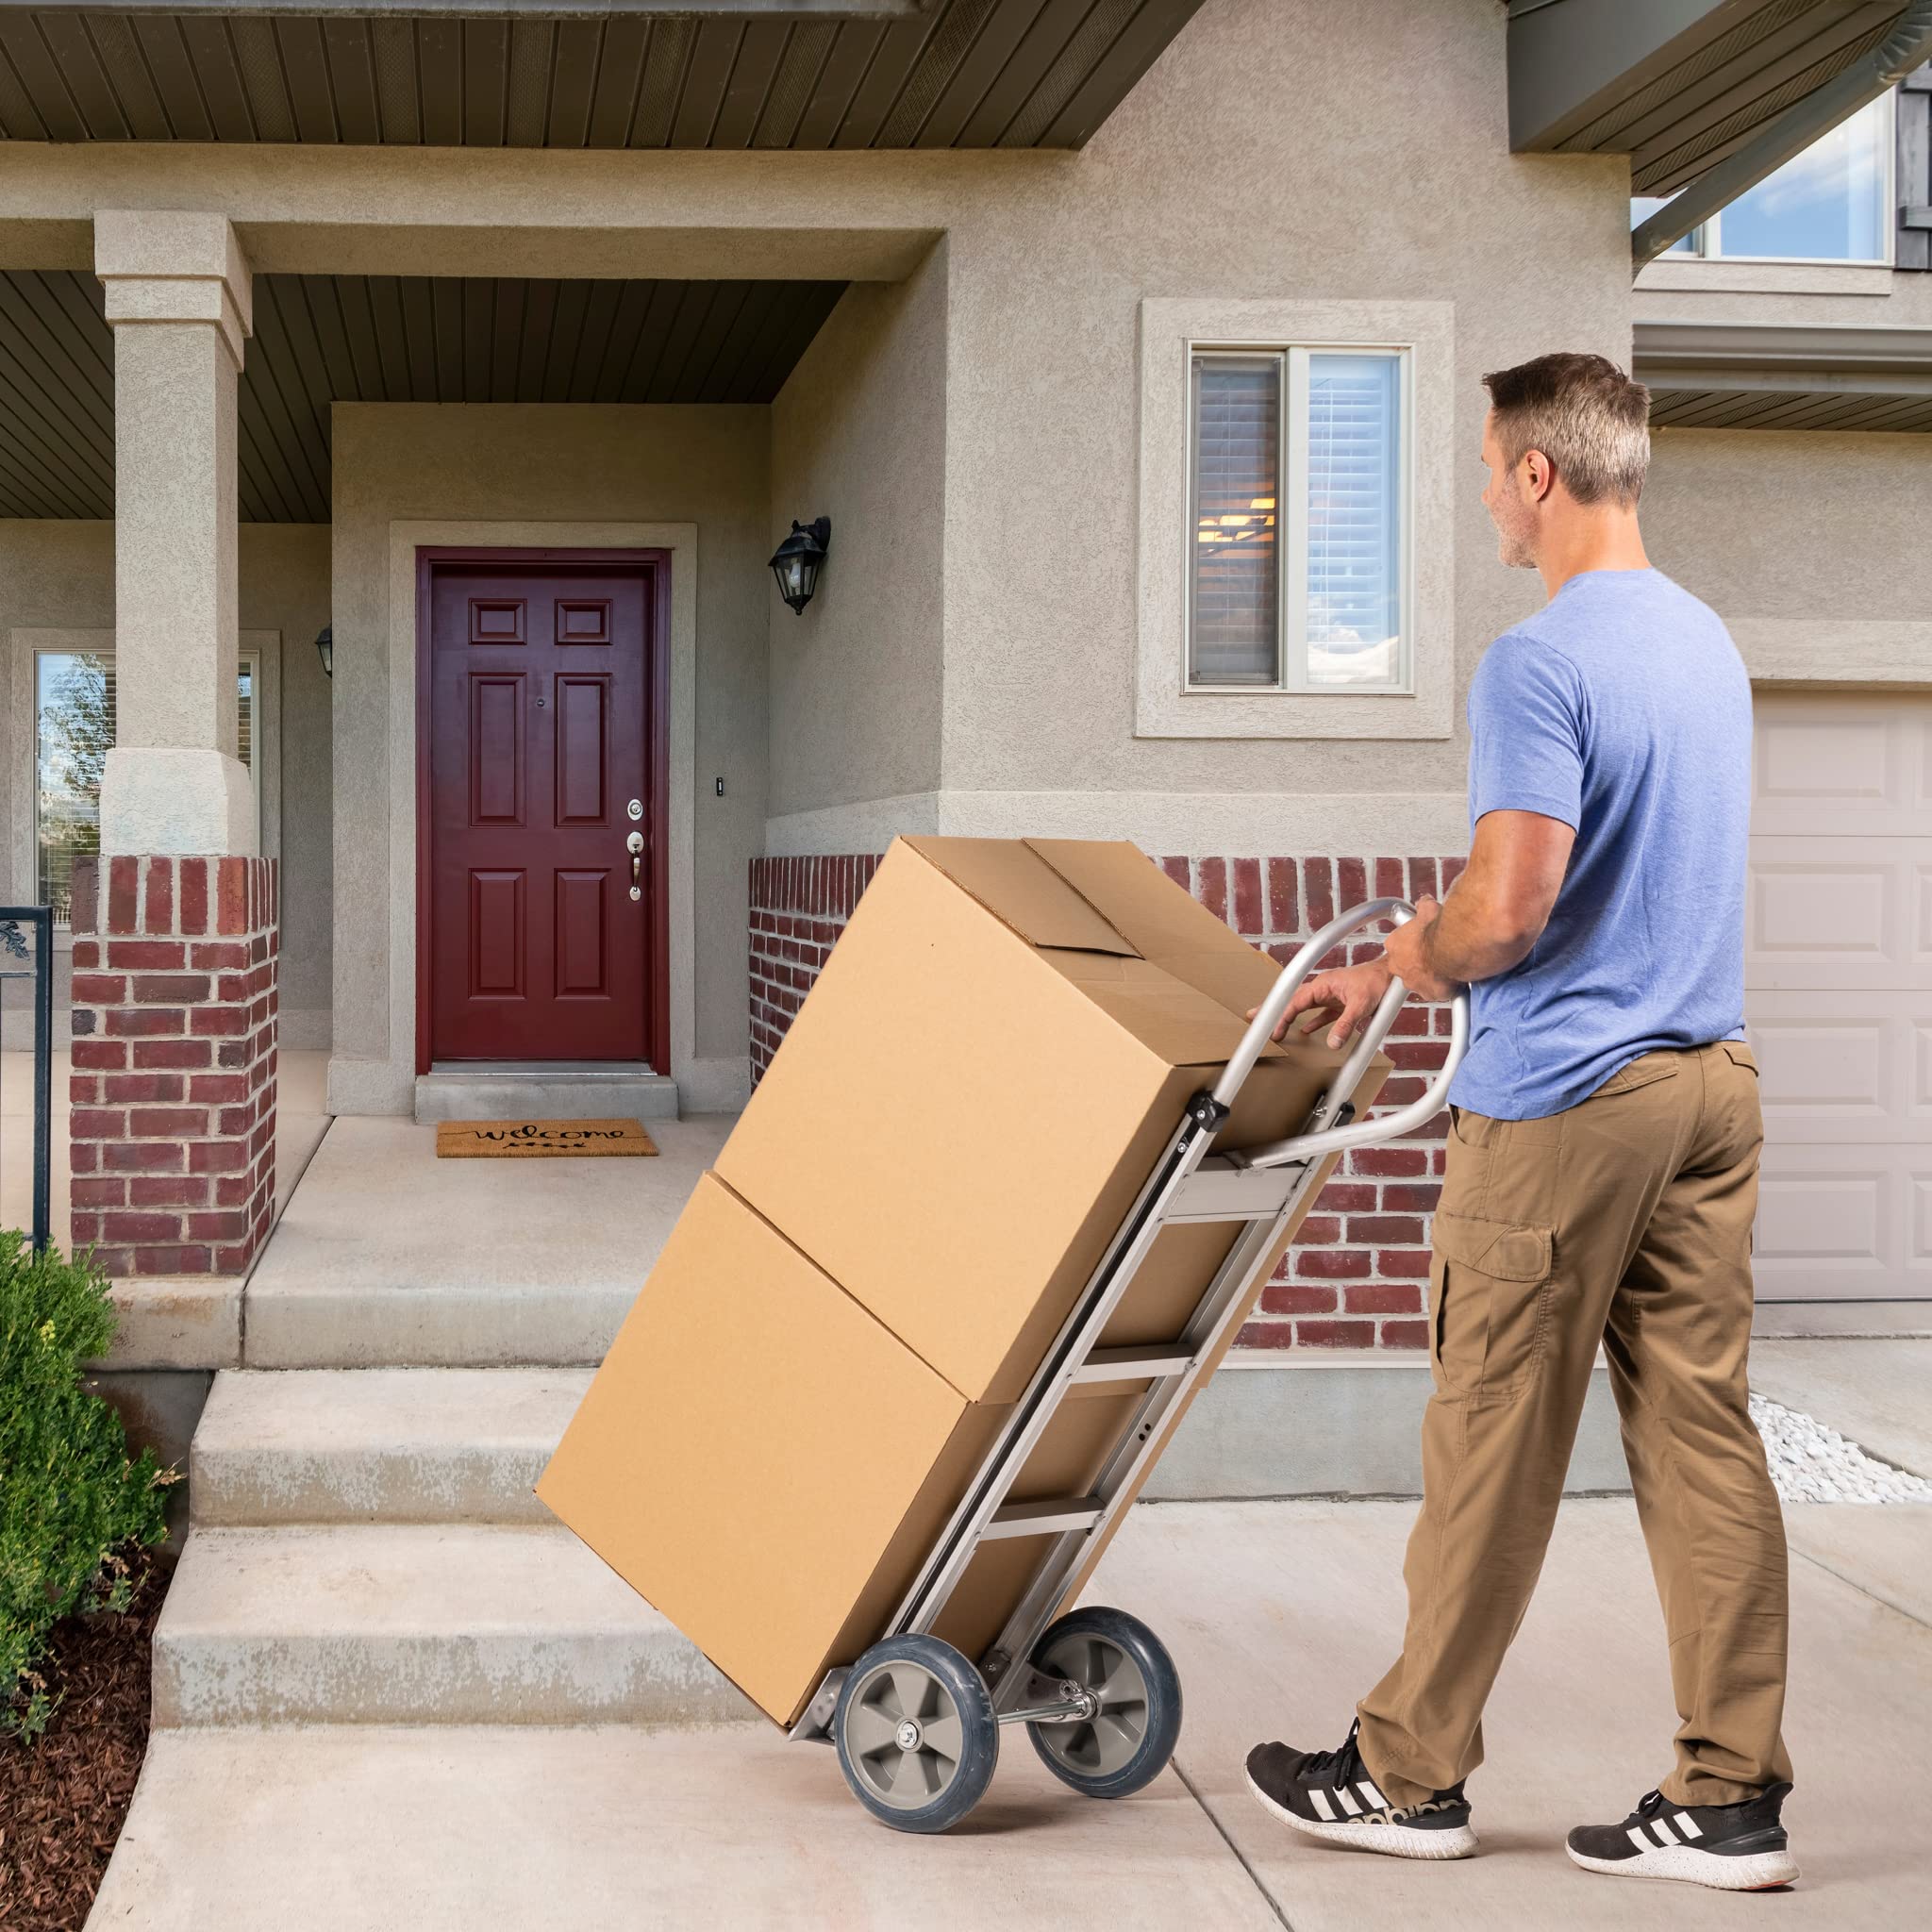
{"x": 1838, "y": 975}
{"x": 540, "y": 682}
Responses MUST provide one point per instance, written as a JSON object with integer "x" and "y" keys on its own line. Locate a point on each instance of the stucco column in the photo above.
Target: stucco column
{"x": 179, "y": 297}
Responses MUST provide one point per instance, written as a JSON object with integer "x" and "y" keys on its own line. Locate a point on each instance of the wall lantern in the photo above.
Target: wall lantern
{"x": 326, "y": 649}
{"x": 795, "y": 562}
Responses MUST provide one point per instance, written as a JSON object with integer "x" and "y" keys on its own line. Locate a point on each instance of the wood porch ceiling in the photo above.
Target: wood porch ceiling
{"x": 918, "y": 73}
{"x": 376, "y": 339}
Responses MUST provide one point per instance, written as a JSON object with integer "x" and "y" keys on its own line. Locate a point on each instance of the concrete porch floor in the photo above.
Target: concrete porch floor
{"x": 387, "y": 1257}
{"x": 1276, "y": 1614}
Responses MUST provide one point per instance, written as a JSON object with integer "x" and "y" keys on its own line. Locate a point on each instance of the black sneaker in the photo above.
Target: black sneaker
{"x": 1330, "y": 1794}
{"x": 1734, "y": 1847}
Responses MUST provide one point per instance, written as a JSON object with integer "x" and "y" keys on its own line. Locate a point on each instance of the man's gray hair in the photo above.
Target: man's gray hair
{"x": 1589, "y": 419}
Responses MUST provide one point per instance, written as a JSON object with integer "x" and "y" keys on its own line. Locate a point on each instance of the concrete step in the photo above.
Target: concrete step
{"x": 419, "y": 1625}
{"x": 562, "y": 1090}
{"x": 377, "y": 1446}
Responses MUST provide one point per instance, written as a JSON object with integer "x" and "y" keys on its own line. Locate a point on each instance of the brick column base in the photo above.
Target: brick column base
{"x": 174, "y": 1087}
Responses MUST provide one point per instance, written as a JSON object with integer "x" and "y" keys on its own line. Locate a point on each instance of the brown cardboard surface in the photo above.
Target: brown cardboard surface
{"x": 959, "y": 1118}
{"x": 759, "y": 1457}
{"x": 944, "y": 1119}
{"x": 1013, "y": 883}
{"x": 957, "y": 1123}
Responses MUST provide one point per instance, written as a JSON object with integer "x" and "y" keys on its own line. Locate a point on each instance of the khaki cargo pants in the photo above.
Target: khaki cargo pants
{"x": 1624, "y": 1221}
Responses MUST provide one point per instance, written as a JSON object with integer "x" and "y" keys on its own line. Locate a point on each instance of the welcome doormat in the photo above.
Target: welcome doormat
{"x": 539, "y": 1140}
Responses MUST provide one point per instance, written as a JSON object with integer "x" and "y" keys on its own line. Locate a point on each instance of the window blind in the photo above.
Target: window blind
{"x": 1354, "y": 518}
{"x": 1235, "y": 603}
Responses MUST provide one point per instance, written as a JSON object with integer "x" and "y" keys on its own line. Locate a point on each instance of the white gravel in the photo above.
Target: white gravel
{"x": 1810, "y": 1463}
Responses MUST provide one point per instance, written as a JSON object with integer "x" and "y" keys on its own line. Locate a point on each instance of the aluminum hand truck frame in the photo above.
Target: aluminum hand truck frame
{"x": 917, "y": 1723}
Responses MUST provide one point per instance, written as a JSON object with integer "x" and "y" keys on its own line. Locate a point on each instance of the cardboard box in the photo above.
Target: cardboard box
{"x": 994, "y": 1055}
{"x": 840, "y": 1321}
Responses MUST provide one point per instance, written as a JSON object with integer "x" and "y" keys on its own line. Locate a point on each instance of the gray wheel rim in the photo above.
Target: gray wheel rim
{"x": 1107, "y": 1743}
{"x": 903, "y": 1736}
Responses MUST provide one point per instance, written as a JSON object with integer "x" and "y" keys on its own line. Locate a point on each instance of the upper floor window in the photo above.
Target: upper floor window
{"x": 1832, "y": 203}
{"x": 1298, "y": 549}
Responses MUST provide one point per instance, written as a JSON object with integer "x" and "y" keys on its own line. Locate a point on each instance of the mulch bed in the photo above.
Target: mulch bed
{"x": 63, "y": 1797}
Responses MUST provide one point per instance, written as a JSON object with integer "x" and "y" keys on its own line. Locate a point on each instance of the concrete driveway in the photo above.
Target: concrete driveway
{"x": 1277, "y": 1613}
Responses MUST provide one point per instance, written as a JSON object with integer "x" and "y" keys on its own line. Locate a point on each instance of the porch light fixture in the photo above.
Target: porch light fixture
{"x": 326, "y": 649}
{"x": 795, "y": 562}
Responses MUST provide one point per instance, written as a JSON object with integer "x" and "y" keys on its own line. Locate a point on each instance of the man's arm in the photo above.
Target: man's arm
{"x": 1493, "y": 916}
{"x": 1497, "y": 912}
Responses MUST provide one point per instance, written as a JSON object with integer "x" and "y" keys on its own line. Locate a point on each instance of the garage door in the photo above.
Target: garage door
{"x": 1838, "y": 975}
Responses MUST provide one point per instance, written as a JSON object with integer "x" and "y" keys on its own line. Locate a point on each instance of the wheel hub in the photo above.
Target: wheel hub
{"x": 908, "y": 1736}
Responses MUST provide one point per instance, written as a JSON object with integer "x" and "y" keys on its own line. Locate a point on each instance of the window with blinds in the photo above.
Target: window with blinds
{"x": 1299, "y": 576}
{"x": 74, "y": 731}
{"x": 1235, "y": 603}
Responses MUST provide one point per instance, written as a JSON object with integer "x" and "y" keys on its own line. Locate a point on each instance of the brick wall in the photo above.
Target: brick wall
{"x": 1358, "y": 1274}
{"x": 173, "y": 1123}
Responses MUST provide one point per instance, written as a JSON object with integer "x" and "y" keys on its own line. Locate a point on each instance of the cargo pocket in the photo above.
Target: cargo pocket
{"x": 1489, "y": 1303}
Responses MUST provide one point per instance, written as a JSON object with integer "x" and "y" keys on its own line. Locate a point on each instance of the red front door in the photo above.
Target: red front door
{"x": 540, "y": 915}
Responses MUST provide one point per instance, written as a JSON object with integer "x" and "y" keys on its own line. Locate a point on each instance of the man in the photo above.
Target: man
{"x": 1602, "y": 1172}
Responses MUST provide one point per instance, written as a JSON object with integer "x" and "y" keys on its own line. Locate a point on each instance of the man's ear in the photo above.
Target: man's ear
{"x": 1540, "y": 474}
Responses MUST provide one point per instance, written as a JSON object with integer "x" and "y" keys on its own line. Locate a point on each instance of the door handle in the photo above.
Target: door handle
{"x": 634, "y": 846}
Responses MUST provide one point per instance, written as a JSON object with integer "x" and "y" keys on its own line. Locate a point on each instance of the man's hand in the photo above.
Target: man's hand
{"x": 1406, "y": 950}
{"x": 1352, "y": 993}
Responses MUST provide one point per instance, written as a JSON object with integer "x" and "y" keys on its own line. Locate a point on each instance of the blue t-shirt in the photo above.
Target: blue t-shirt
{"x": 1623, "y": 709}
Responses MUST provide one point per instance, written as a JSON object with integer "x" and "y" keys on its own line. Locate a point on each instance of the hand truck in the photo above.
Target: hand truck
{"x": 916, "y": 1723}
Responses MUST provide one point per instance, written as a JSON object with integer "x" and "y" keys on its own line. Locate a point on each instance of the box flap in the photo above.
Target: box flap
{"x": 1165, "y": 1014}
{"x": 1020, "y": 889}
{"x": 1161, "y": 920}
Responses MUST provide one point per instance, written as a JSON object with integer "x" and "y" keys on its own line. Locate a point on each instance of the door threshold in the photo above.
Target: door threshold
{"x": 536, "y": 1070}
{"x": 544, "y": 1090}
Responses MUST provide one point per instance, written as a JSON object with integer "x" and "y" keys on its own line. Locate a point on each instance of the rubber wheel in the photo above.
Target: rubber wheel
{"x": 1127, "y": 1744}
{"x": 916, "y": 1733}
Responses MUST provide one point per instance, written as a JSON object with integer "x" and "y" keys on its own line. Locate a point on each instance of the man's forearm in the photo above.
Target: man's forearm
{"x": 1472, "y": 939}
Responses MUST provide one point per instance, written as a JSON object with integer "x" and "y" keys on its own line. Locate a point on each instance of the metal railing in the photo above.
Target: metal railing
{"x": 40, "y": 969}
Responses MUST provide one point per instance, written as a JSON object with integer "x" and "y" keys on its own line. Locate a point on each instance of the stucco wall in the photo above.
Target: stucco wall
{"x": 1382, "y": 173}
{"x": 60, "y": 577}
{"x": 1811, "y": 524}
{"x": 1805, "y": 543}
{"x": 858, "y": 433}
{"x": 562, "y": 465}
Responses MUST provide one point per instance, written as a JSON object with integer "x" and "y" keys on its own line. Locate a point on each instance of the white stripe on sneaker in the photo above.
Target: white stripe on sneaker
{"x": 1665, "y": 1827}
{"x": 1351, "y": 1805}
{"x": 1688, "y": 1825}
{"x": 1367, "y": 1787}
{"x": 1637, "y": 1838}
{"x": 1319, "y": 1799}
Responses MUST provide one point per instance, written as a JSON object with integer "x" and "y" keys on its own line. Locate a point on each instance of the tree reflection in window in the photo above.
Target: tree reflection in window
{"x": 74, "y": 698}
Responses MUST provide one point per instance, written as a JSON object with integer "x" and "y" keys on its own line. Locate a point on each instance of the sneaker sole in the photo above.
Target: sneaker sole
{"x": 1391, "y": 1840}
{"x": 1754, "y": 1871}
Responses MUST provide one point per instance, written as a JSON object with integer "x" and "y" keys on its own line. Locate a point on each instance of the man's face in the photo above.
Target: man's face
{"x": 1508, "y": 504}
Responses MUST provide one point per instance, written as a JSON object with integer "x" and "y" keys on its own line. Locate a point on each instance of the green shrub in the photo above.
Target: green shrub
{"x": 71, "y": 1501}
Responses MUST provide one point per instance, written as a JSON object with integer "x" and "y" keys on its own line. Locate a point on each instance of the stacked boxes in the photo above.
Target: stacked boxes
{"x": 961, "y": 1116}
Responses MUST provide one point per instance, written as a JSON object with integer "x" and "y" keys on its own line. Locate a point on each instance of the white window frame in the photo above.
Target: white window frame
{"x": 1292, "y": 517}
{"x": 1167, "y": 702}
{"x": 1706, "y": 240}
{"x": 260, "y": 647}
